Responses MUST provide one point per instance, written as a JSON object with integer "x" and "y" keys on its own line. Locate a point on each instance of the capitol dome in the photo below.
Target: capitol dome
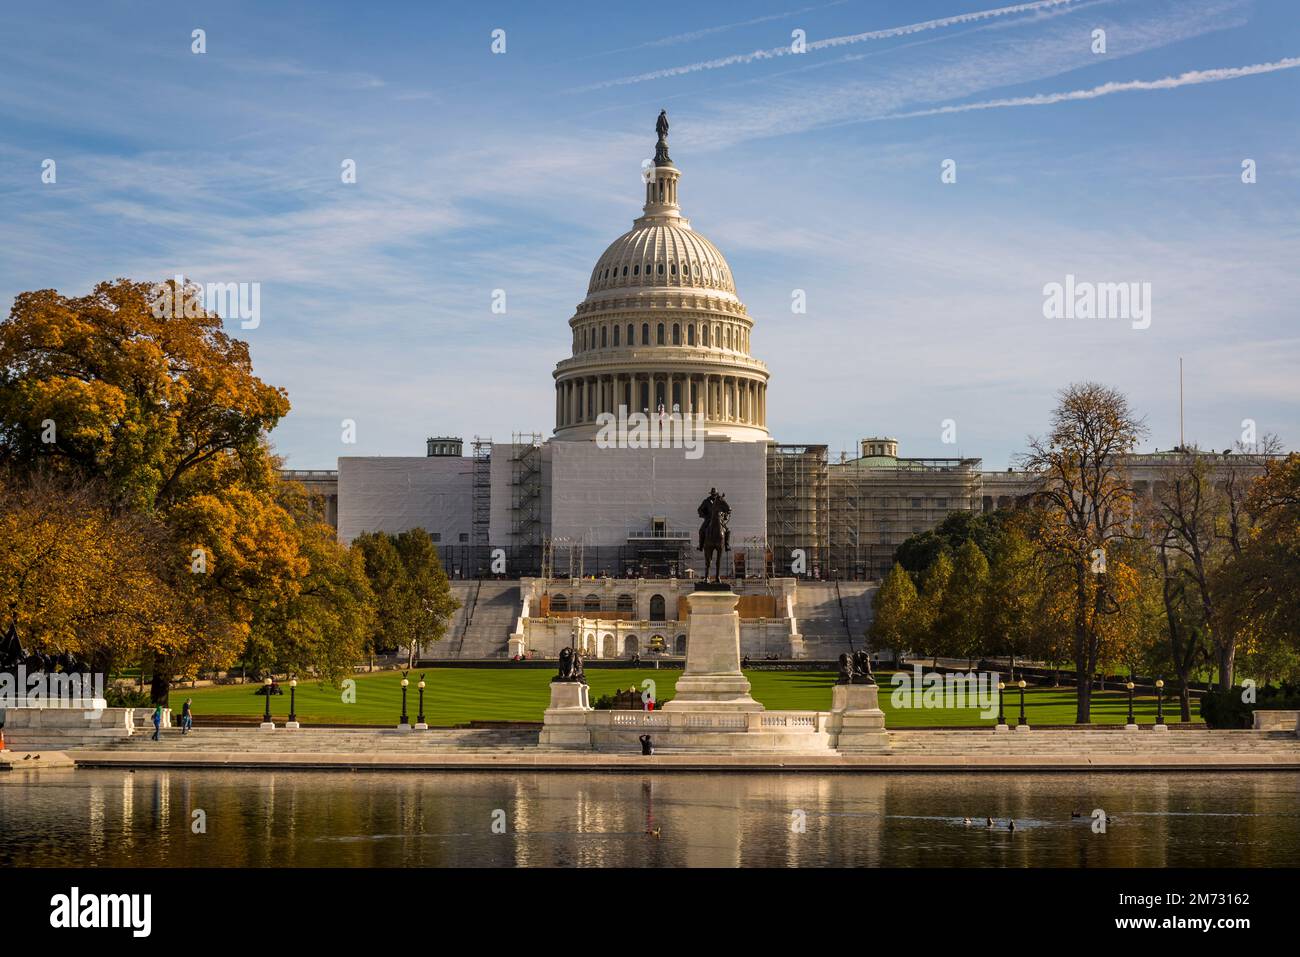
{"x": 661, "y": 328}
{"x": 667, "y": 254}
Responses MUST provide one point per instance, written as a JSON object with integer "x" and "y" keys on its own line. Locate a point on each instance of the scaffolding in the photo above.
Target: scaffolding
{"x": 481, "y": 499}
{"x": 756, "y": 562}
{"x": 797, "y": 509}
{"x": 526, "y": 495}
{"x": 874, "y": 508}
{"x": 563, "y": 554}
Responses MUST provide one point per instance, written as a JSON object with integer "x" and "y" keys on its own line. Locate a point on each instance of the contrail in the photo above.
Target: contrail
{"x": 1190, "y": 78}
{"x": 699, "y": 34}
{"x": 780, "y": 51}
{"x": 707, "y": 31}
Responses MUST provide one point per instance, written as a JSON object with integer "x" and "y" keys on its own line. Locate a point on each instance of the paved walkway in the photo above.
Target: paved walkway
{"x": 1059, "y": 749}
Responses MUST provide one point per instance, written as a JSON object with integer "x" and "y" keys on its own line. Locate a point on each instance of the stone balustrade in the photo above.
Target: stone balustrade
{"x": 811, "y": 722}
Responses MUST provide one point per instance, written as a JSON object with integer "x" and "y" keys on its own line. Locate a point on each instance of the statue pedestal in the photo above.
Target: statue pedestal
{"x": 856, "y": 722}
{"x": 711, "y": 710}
{"x": 712, "y": 680}
{"x": 564, "y": 724}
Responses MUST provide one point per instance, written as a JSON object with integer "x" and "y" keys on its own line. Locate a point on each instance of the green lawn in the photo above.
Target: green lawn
{"x": 460, "y": 695}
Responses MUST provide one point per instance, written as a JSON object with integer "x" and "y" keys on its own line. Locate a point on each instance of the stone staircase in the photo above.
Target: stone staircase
{"x": 495, "y": 612}
{"x": 327, "y": 740}
{"x": 1093, "y": 741}
{"x": 482, "y": 625}
{"x": 817, "y": 611}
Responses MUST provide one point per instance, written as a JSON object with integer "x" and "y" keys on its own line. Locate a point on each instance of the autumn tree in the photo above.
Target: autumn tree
{"x": 104, "y": 387}
{"x": 1085, "y": 499}
{"x": 161, "y": 410}
{"x": 413, "y": 597}
{"x": 428, "y": 599}
{"x": 963, "y": 615}
{"x": 894, "y": 611}
{"x": 78, "y": 576}
{"x": 930, "y": 637}
{"x": 1260, "y": 588}
{"x": 319, "y": 627}
{"x": 1015, "y": 596}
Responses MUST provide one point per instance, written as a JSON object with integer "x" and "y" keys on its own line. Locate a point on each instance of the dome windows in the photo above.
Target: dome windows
{"x": 616, "y": 328}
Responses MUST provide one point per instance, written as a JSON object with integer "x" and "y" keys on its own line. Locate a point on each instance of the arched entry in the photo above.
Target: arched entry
{"x": 589, "y": 644}
{"x": 608, "y": 647}
{"x": 679, "y": 645}
{"x": 630, "y": 646}
{"x": 657, "y": 607}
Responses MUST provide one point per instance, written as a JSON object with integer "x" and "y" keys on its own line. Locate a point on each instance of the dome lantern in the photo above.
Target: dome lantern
{"x": 661, "y": 182}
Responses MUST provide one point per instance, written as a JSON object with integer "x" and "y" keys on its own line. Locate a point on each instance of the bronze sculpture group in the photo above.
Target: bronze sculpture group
{"x": 571, "y": 666}
{"x": 855, "y": 669}
{"x": 12, "y": 655}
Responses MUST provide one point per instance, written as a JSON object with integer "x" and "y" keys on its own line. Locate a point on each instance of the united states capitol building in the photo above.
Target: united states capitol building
{"x": 588, "y": 538}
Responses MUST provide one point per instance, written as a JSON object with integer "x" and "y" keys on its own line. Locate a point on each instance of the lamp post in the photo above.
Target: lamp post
{"x": 1002, "y": 711}
{"x": 404, "y": 724}
{"x": 267, "y": 723}
{"x": 292, "y": 723}
{"x": 1023, "y": 724}
{"x": 420, "y": 724}
{"x": 1132, "y": 722}
{"x": 1160, "y": 706}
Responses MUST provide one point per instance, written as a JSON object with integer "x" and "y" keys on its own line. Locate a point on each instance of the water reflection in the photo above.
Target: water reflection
{"x": 302, "y": 818}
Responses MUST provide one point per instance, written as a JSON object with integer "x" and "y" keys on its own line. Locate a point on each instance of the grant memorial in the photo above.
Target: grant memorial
{"x": 712, "y": 709}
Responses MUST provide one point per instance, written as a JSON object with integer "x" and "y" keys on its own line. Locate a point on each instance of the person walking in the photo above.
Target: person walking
{"x": 157, "y": 722}
{"x": 187, "y": 716}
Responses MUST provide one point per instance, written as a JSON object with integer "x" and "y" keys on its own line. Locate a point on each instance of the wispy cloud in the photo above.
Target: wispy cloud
{"x": 846, "y": 40}
{"x": 1190, "y": 78}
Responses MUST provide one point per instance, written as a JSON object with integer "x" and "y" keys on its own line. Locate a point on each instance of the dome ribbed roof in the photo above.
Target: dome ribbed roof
{"x": 665, "y": 255}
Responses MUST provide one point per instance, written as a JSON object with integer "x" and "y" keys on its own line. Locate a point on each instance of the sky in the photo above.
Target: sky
{"x": 819, "y": 169}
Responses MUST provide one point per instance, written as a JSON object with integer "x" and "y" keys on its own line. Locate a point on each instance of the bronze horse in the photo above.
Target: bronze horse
{"x": 715, "y": 535}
